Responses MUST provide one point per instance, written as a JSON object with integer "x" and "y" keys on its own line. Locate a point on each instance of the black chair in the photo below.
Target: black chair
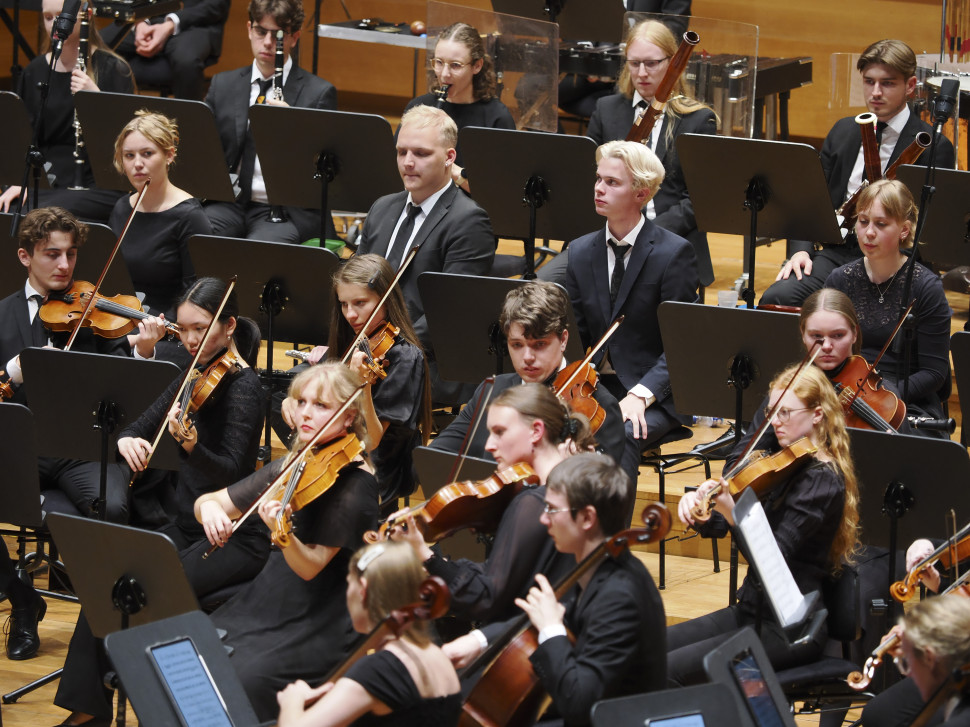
{"x": 821, "y": 686}
{"x": 662, "y": 465}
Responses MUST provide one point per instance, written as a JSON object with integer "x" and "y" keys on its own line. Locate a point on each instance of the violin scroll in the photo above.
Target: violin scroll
{"x": 434, "y": 603}
{"x": 902, "y": 591}
{"x": 656, "y": 521}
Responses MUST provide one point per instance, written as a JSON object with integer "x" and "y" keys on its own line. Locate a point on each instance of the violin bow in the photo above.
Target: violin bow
{"x": 592, "y": 352}
{"x": 872, "y": 367}
{"x": 488, "y": 385}
{"x": 380, "y": 304}
{"x": 743, "y": 459}
{"x": 291, "y": 464}
{"x": 104, "y": 271}
{"x": 187, "y": 376}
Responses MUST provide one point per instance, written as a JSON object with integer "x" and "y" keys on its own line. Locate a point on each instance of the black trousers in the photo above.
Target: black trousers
{"x": 78, "y": 486}
{"x": 185, "y": 53}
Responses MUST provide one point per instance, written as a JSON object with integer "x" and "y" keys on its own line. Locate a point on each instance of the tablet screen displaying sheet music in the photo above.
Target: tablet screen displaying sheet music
{"x": 755, "y": 691}
{"x": 686, "y": 720}
{"x": 189, "y": 684}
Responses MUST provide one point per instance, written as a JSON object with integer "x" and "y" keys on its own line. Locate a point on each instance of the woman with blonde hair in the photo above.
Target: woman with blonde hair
{"x": 105, "y": 71}
{"x": 156, "y": 245}
{"x": 813, "y": 514}
{"x": 407, "y": 681}
{"x": 876, "y": 282}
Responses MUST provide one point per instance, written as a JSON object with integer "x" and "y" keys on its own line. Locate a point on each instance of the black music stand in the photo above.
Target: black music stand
{"x": 209, "y": 681}
{"x": 351, "y": 156}
{"x": 510, "y": 170}
{"x": 124, "y": 576}
{"x": 82, "y": 422}
{"x": 468, "y": 343}
{"x": 901, "y": 494}
{"x": 284, "y": 288}
{"x": 200, "y": 166}
{"x": 90, "y": 261}
{"x": 757, "y": 187}
{"x": 16, "y": 142}
{"x": 946, "y": 237}
{"x": 960, "y": 351}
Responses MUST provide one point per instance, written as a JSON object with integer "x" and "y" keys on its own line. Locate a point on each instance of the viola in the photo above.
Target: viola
{"x": 761, "y": 474}
{"x": 461, "y": 505}
{"x": 110, "y": 317}
{"x": 953, "y": 551}
{"x": 314, "y": 475}
{"x": 866, "y": 403}
{"x": 203, "y": 385}
{"x": 509, "y": 692}
{"x": 576, "y": 385}
{"x": 434, "y": 601}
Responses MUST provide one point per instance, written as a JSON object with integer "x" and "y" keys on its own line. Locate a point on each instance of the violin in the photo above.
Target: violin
{"x": 6, "y": 390}
{"x": 576, "y": 383}
{"x": 375, "y": 348}
{"x": 461, "y": 505}
{"x": 112, "y": 317}
{"x": 509, "y": 692}
{"x": 435, "y": 599}
{"x": 860, "y": 680}
{"x": 203, "y": 385}
{"x": 866, "y": 403}
{"x": 314, "y": 475}
{"x": 761, "y": 474}
{"x": 953, "y": 551}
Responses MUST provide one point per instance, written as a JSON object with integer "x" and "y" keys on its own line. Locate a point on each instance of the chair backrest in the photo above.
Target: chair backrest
{"x": 841, "y": 595}
{"x": 20, "y": 486}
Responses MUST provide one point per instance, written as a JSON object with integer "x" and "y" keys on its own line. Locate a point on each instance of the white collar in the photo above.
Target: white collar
{"x": 255, "y": 74}
{"x": 430, "y": 202}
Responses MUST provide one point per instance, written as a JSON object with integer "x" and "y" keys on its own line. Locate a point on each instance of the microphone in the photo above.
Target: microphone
{"x": 933, "y": 425}
{"x": 946, "y": 100}
{"x": 64, "y": 24}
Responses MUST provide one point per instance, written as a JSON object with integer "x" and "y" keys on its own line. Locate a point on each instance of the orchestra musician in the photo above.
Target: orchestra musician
{"x": 156, "y": 249}
{"x": 533, "y": 320}
{"x": 106, "y": 71}
{"x": 465, "y": 74}
{"x": 291, "y": 621}
{"x": 888, "y": 69}
{"x": 629, "y": 268}
{"x": 407, "y": 681}
{"x": 526, "y": 424}
{"x": 813, "y": 515}
{"x": 402, "y": 400}
{"x": 218, "y": 448}
{"x": 876, "y": 283}
{"x": 230, "y": 96}
{"x": 454, "y": 233}
{"x": 26, "y": 609}
{"x": 615, "y": 614}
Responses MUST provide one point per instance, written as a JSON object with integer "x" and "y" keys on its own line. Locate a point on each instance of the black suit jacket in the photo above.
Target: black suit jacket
{"x": 456, "y": 237}
{"x": 661, "y": 266}
{"x": 210, "y": 15}
{"x": 15, "y": 336}
{"x": 839, "y": 153}
{"x": 612, "y": 120}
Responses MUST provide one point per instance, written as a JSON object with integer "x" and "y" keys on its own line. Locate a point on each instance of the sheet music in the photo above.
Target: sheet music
{"x": 762, "y": 551}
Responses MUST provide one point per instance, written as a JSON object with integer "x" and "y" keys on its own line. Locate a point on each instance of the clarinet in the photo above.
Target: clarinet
{"x": 82, "y": 64}
{"x": 441, "y": 95}
{"x": 276, "y": 212}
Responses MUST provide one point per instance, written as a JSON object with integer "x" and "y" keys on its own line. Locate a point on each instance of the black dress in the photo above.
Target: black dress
{"x": 57, "y": 131}
{"x": 492, "y": 114}
{"x": 804, "y": 514}
{"x": 385, "y": 678}
{"x": 156, "y": 250}
{"x": 397, "y": 401}
{"x": 281, "y": 627}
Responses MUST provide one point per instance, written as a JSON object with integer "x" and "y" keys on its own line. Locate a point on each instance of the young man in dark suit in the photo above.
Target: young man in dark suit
{"x": 454, "y": 233}
{"x": 629, "y": 268}
{"x": 230, "y": 96}
{"x": 615, "y": 613}
{"x": 888, "y": 69}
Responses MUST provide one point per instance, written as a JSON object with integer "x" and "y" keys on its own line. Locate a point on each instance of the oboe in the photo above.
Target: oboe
{"x": 82, "y": 65}
{"x": 276, "y": 212}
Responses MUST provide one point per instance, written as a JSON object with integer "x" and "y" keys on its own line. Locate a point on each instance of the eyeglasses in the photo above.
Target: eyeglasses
{"x": 262, "y": 32}
{"x": 548, "y": 509}
{"x": 783, "y": 415}
{"x": 453, "y": 66}
{"x": 649, "y": 65}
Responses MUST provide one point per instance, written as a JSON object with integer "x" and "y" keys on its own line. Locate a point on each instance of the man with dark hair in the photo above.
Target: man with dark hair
{"x": 533, "y": 320}
{"x": 888, "y": 69}
{"x": 230, "y": 96}
{"x": 614, "y": 612}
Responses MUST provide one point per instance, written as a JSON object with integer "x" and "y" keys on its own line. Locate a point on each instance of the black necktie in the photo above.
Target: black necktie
{"x": 40, "y": 337}
{"x": 616, "y": 279}
{"x": 395, "y": 252}
{"x": 639, "y": 110}
{"x": 880, "y": 127}
{"x": 248, "y": 166}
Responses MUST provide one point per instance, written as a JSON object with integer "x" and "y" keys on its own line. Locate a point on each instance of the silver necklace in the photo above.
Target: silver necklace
{"x": 882, "y": 293}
